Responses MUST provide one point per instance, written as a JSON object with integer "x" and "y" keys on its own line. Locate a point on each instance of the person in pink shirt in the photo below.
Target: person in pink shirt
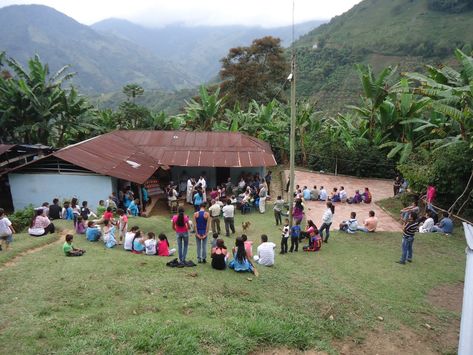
{"x": 122, "y": 225}
{"x": 248, "y": 246}
{"x": 180, "y": 224}
{"x": 40, "y": 225}
{"x": 163, "y": 246}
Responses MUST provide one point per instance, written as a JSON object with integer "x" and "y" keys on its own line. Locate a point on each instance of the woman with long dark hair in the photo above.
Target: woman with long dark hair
{"x": 241, "y": 262}
{"x": 327, "y": 221}
{"x": 180, "y": 224}
{"x": 298, "y": 212}
{"x": 40, "y": 224}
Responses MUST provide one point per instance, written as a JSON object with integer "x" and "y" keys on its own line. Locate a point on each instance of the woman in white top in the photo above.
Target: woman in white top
{"x": 190, "y": 190}
{"x": 150, "y": 244}
{"x": 428, "y": 224}
{"x": 327, "y": 219}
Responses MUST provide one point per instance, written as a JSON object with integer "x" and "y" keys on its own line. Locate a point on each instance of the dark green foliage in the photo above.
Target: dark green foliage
{"x": 21, "y": 219}
{"x": 451, "y": 6}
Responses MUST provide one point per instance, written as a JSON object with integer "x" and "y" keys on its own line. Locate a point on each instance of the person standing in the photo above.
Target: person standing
{"x": 203, "y": 185}
{"x": 408, "y": 234}
{"x": 229, "y": 217}
{"x": 262, "y": 198}
{"x": 6, "y": 230}
{"x": 190, "y": 190}
{"x": 396, "y": 185}
{"x": 268, "y": 178}
{"x": 180, "y": 224}
{"x": 278, "y": 206}
{"x": 215, "y": 210}
{"x": 327, "y": 219}
{"x": 201, "y": 219}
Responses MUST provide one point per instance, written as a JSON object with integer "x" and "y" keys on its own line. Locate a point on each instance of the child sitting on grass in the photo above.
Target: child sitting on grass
{"x": 101, "y": 208}
{"x": 109, "y": 234}
{"x": 6, "y": 230}
{"x": 163, "y": 246}
{"x": 129, "y": 236}
{"x": 92, "y": 233}
{"x": 67, "y": 213}
{"x": 138, "y": 244}
{"x": 248, "y": 245}
{"x": 241, "y": 262}
{"x": 315, "y": 242}
{"x": 214, "y": 240}
{"x": 150, "y": 244}
{"x": 69, "y": 249}
{"x": 79, "y": 225}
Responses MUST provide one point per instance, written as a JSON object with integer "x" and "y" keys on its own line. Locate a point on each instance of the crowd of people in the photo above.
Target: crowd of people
{"x": 109, "y": 223}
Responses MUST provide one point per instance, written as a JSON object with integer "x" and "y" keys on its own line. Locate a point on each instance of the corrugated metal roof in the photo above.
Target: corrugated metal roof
{"x": 136, "y": 155}
{"x": 6, "y": 147}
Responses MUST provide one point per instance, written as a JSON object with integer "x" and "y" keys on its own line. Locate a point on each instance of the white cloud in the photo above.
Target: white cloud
{"x": 197, "y": 12}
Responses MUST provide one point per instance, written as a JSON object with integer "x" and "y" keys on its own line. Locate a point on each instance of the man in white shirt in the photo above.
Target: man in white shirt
{"x": 265, "y": 252}
{"x": 203, "y": 184}
{"x": 229, "y": 217}
{"x": 323, "y": 194}
{"x": 215, "y": 212}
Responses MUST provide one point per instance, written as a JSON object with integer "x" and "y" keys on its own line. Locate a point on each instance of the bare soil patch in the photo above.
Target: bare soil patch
{"x": 449, "y": 297}
{"x": 285, "y": 351}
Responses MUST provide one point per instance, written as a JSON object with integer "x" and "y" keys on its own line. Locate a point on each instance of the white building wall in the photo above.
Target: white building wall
{"x": 35, "y": 189}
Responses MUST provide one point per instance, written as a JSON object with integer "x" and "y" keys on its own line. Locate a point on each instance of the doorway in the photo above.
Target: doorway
{"x": 222, "y": 175}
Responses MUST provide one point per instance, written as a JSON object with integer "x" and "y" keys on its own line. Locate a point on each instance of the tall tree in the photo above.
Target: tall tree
{"x": 257, "y": 72}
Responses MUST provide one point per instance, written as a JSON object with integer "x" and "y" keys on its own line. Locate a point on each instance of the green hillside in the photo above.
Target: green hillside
{"x": 103, "y": 62}
{"x": 408, "y": 33}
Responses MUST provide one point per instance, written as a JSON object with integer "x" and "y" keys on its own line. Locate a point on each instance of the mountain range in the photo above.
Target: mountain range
{"x": 113, "y": 53}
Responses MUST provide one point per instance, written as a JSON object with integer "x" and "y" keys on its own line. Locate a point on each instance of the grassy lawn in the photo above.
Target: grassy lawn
{"x": 110, "y": 301}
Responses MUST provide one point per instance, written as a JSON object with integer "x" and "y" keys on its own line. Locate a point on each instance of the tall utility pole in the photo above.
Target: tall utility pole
{"x": 292, "y": 149}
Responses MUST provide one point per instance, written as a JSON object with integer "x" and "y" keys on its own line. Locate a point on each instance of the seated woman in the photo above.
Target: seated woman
{"x": 138, "y": 244}
{"x": 40, "y": 225}
{"x": 309, "y": 231}
{"x": 163, "y": 246}
{"x": 240, "y": 262}
{"x": 357, "y": 198}
{"x": 315, "y": 242}
{"x": 219, "y": 255}
{"x": 109, "y": 234}
{"x": 343, "y": 194}
{"x": 428, "y": 224}
{"x": 334, "y": 195}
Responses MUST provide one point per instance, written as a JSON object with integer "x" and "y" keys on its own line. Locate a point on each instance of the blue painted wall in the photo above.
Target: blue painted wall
{"x": 38, "y": 188}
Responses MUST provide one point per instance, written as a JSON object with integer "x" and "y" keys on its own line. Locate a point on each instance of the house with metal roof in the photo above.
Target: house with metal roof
{"x": 91, "y": 169}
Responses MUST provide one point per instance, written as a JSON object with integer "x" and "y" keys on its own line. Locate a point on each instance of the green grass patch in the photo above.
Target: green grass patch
{"x": 111, "y": 301}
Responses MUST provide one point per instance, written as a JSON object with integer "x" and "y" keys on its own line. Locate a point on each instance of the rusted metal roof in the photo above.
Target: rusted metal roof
{"x": 6, "y": 147}
{"x": 136, "y": 155}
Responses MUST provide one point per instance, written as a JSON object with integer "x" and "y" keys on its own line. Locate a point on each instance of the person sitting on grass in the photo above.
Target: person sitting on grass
{"x": 6, "y": 230}
{"x": 150, "y": 244}
{"x": 351, "y": 225}
{"x": 370, "y": 224}
{"x": 40, "y": 225}
{"x": 265, "y": 252}
{"x": 315, "y": 242}
{"x": 284, "y": 237}
{"x": 109, "y": 234}
{"x": 343, "y": 194}
{"x": 129, "y": 236}
{"x": 309, "y": 230}
{"x": 248, "y": 245}
{"x": 163, "y": 246}
{"x": 69, "y": 249}
{"x": 138, "y": 244}
{"x": 410, "y": 228}
{"x": 241, "y": 262}
{"x": 219, "y": 255}
{"x": 444, "y": 226}
{"x": 92, "y": 233}
{"x": 428, "y": 224}
{"x": 67, "y": 213}
{"x": 323, "y": 194}
{"x": 79, "y": 225}
{"x": 357, "y": 197}
{"x": 101, "y": 208}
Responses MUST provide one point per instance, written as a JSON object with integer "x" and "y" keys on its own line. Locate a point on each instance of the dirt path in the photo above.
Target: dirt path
{"x": 15, "y": 259}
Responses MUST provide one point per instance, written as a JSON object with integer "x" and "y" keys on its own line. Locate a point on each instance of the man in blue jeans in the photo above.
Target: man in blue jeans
{"x": 410, "y": 228}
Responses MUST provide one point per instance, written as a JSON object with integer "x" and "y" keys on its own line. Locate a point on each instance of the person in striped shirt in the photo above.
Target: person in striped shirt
{"x": 408, "y": 233}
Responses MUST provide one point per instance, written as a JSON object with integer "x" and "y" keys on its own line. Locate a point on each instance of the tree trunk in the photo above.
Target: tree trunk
{"x": 450, "y": 210}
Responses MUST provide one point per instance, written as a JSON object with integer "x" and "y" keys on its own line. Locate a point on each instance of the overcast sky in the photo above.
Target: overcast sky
{"x": 197, "y": 12}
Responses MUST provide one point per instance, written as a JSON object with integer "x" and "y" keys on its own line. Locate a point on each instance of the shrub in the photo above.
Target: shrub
{"x": 21, "y": 219}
